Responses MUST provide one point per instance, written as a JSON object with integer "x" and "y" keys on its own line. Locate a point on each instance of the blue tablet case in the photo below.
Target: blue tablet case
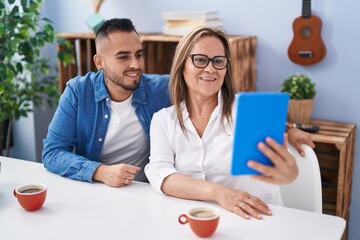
{"x": 259, "y": 114}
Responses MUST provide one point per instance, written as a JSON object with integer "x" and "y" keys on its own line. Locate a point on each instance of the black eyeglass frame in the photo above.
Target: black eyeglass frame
{"x": 209, "y": 60}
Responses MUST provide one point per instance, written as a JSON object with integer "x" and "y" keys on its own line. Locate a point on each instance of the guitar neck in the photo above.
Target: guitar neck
{"x": 306, "y": 9}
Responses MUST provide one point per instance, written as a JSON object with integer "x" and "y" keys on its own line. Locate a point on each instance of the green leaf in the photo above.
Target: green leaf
{"x": 9, "y": 54}
{"x": 60, "y": 56}
{"x": 48, "y": 28}
{"x": 47, "y": 20}
{"x": 25, "y": 47}
{"x": 33, "y": 41}
{"x": 26, "y": 105}
{"x": 2, "y": 70}
{"x": 11, "y": 1}
{"x": 11, "y": 68}
{"x": 37, "y": 52}
{"x": 13, "y": 46}
{"x": 33, "y": 7}
{"x": 24, "y": 4}
{"x": 1, "y": 29}
{"x": 40, "y": 42}
{"x": 9, "y": 75}
{"x": 45, "y": 70}
{"x": 19, "y": 67}
{"x": 15, "y": 11}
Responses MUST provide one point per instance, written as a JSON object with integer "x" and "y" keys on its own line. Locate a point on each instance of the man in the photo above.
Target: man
{"x": 100, "y": 130}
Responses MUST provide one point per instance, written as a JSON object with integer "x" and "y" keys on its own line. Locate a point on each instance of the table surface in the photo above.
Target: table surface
{"x": 79, "y": 210}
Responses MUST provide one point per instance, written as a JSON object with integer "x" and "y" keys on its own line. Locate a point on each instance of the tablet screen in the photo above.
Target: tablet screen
{"x": 258, "y": 115}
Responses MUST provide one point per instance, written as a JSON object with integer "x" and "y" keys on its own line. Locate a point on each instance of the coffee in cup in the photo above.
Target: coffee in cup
{"x": 31, "y": 197}
{"x": 203, "y": 220}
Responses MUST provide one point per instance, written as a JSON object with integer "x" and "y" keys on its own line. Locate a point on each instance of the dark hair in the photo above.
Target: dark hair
{"x": 113, "y": 25}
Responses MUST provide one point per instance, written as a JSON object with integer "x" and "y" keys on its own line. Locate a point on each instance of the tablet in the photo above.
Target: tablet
{"x": 258, "y": 115}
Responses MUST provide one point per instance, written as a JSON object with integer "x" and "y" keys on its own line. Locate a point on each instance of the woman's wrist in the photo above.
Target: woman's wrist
{"x": 217, "y": 192}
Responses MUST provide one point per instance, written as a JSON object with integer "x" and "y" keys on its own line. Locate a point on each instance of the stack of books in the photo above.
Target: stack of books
{"x": 181, "y": 23}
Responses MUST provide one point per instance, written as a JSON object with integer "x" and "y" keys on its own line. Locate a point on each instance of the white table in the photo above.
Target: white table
{"x": 78, "y": 210}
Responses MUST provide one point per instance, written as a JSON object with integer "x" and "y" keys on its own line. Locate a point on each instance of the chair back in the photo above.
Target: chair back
{"x": 305, "y": 192}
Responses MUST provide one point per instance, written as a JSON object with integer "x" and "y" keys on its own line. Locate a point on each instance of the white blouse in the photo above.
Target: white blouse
{"x": 207, "y": 158}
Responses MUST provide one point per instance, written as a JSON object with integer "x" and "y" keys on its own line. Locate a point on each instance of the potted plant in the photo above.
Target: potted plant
{"x": 302, "y": 92}
{"x": 24, "y": 74}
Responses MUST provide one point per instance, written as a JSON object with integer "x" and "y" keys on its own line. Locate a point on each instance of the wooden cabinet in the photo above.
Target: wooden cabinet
{"x": 159, "y": 50}
{"x": 335, "y": 151}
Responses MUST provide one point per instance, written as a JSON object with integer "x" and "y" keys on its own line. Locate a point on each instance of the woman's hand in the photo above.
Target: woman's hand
{"x": 241, "y": 203}
{"x": 284, "y": 170}
{"x": 297, "y": 137}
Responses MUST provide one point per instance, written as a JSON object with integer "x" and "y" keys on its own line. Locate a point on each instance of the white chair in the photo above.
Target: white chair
{"x": 305, "y": 192}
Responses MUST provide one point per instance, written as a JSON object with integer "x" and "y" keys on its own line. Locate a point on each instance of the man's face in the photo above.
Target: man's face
{"x": 122, "y": 60}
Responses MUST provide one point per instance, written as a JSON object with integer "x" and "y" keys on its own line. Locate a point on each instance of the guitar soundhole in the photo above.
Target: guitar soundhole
{"x": 306, "y": 32}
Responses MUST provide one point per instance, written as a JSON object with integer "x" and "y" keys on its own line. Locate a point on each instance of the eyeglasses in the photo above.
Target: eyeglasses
{"x": 201, "y": 61}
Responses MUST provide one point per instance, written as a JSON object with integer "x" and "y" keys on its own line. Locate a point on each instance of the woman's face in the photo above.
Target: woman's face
{"x": 205, "y": 82}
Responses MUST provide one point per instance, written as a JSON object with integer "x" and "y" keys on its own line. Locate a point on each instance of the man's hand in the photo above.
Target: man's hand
{"x": 118, "y": 175}
{"x": 297, "y": 137}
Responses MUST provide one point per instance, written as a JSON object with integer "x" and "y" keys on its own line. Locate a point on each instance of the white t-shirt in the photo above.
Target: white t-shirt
{"x": 125, "y": 140}
{"x": 207, "y": 158}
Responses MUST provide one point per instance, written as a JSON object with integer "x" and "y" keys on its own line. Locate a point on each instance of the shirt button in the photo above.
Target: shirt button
{"x": 106, "y": 116}
{"x": 100, "y": 139}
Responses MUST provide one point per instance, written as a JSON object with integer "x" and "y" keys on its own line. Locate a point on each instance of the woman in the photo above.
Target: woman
{"x": 191, "y": 141}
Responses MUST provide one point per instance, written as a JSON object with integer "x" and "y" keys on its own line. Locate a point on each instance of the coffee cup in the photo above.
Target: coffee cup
{"x": 31, "y": 197}
{"x": 203, "y": 220}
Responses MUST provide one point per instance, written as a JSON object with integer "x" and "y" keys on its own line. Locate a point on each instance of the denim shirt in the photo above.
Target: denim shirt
{"x": 81, "y": 120}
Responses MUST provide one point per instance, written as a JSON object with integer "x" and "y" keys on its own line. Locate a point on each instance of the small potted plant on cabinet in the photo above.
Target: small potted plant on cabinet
{"x": 302, "y": 92}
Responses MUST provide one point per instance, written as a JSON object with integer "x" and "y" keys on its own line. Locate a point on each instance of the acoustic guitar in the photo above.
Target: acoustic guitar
{"x": 307, "y": 46}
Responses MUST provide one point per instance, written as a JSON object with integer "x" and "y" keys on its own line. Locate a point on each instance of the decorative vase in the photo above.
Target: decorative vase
{"x": 300, "y": 111}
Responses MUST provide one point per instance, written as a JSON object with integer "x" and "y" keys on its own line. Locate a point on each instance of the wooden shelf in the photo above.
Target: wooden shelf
{"x": 159, "y": 50}
{"x": 335, "y": 151}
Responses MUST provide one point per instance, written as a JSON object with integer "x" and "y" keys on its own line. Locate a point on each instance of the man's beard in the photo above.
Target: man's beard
{"x": 119, "y": 81}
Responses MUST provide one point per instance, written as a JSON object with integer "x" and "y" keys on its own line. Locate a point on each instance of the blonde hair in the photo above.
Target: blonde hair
{"x": 177, "y": 86}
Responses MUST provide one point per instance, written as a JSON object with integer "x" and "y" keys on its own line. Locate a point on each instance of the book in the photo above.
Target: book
{"x": 178, "y": 31}
{"x": 194, "y": 23}
{"x": 192, "y": 15}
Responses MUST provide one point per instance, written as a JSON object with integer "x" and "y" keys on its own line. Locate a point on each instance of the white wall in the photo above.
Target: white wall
{"x": 336, "y": 76}
{"x": 24, "y": 139}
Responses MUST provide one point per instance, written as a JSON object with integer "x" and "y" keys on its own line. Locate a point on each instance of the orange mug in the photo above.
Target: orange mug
{"x": 203, "y": 220}
{"x": 31, "y": 197}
